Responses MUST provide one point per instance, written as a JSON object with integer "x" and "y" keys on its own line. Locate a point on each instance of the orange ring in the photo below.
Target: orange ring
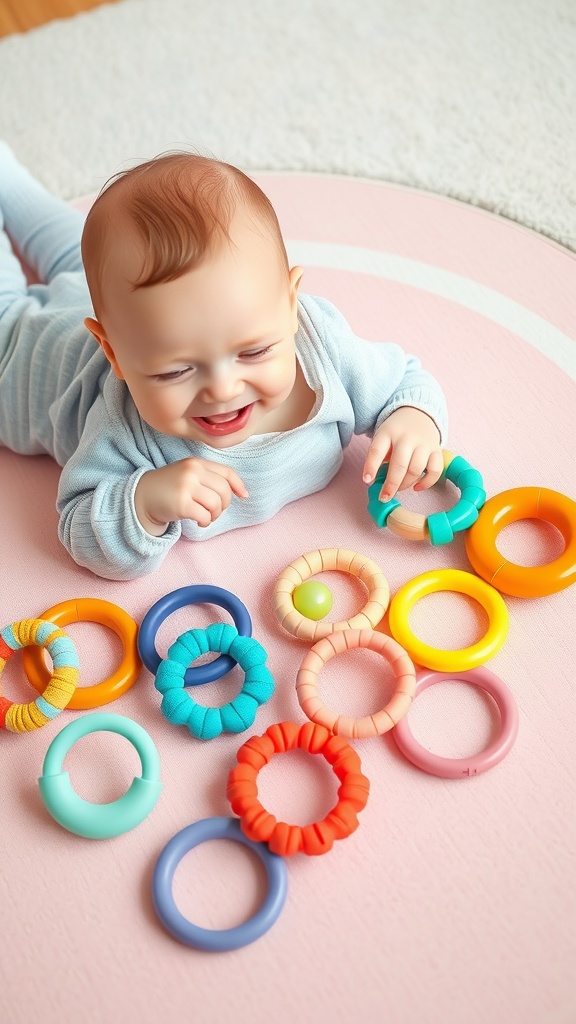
{"x": 321, "y": 560}
{"x": 284, "y": 839}
{"x": 89, "y": 609}
{"x": 508, "y": 507}
{"x": 348, "y": 640}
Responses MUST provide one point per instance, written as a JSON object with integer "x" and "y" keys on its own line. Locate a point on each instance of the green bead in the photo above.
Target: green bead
{"x": 312, "y": 599}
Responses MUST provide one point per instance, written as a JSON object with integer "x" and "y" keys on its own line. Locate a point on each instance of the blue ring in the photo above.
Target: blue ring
{"x": 216, "y": 941}
{"x": 178, "y": 599}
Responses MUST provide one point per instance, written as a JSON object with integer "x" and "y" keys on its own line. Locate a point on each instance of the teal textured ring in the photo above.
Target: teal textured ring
{"x": 205, "y": 723}
{"x": 439, "y": 527}
{"x": 100, "y": 821}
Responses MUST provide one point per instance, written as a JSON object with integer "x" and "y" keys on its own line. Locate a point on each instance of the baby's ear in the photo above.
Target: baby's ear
{"x": 99, "y": 334}
{"x": 295, "y": 277}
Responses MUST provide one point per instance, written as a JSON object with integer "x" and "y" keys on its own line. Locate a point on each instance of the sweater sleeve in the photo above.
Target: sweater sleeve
{"x": 379, "y": 377}
{"x": 98, "y": 522}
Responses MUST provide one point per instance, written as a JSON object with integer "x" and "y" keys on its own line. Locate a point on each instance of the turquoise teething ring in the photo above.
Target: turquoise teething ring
{"x": 100, "y": 821}
{"x": 439, "y": 527}
{"x": 236, "y": 716}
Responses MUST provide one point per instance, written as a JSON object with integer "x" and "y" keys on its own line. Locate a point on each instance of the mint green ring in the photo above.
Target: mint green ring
{"x": 100, "y": 821}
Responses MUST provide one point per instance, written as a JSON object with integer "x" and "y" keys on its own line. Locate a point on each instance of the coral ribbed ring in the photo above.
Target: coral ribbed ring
{"x": 282, "y": 838}
{"x": 339, "y": 643}
{"x": 61, "y": 684}
{"x": 239, "y": 714}
{"x": 91, "y": 609}
{"x": 342, "y": 560}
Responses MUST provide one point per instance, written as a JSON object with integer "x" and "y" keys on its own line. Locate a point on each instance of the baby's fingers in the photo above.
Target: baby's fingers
{"x": 434, "y": 470}
{"x": 375, "y": 456}
{"x": 231, "y": 476}
{"x": 397, "y": 469}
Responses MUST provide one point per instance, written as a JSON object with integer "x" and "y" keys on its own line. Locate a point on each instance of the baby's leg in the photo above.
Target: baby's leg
{"x": 44, "y": 229}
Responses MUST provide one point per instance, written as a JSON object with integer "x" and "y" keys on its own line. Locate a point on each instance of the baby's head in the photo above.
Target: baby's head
{"x": 195, "y": 303}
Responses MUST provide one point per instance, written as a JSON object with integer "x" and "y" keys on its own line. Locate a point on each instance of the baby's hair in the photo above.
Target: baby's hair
{"x": 179, "y": 203}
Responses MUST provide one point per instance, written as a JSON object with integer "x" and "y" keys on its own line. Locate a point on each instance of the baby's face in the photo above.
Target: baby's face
{"x": 210, "y": 356}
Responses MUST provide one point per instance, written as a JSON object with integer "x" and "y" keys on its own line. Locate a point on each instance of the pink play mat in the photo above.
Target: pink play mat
{"x": 454, "y": 900}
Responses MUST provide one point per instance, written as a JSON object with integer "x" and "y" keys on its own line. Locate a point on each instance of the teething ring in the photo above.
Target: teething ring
{"x": 322, "y": 560}
{"x": 462, "y": 583}
{"x": 204, "y": 722}
{"x": 339, "y": 643}
{"x": 196, "y": 594}
{"x": 457, "y": 767}
{"x": 60, "y": 686}
{"x": 284, "y": 839}
{"x": 439, "y": 527}
{"x": 216, "y": 940}
{"x": 88, "y": 609}
{"x": 100, "y": 821}
{"x": 508, "y": 507}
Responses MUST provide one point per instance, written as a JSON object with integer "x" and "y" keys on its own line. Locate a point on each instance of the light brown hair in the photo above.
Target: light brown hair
{"x": 179, "y": 204}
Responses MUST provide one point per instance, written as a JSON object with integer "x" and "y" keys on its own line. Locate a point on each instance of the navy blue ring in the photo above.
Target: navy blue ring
{"x": 197, "y": 594}
{"x": 213, "y": 940}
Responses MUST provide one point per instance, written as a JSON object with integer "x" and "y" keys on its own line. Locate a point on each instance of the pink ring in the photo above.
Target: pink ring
{"x": 349, "y": 640}
{"x": 457, "y": 767}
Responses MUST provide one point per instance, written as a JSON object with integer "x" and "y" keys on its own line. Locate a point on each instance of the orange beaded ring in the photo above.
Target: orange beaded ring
{"x": 339, "y": 643}
{"x": 341, "y": 560}
{"x": 284, "y": 839}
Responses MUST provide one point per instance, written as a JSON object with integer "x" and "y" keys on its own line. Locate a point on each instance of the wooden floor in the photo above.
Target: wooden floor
{"x": 21, "y": 15}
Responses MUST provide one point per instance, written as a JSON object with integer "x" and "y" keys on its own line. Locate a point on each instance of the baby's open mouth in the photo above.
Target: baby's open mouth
{"x": 225, "y": 422}
{"x": 224, "y": 417}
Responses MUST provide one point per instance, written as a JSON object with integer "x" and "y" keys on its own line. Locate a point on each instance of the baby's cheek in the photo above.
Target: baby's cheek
{"x": 281, "y": 378}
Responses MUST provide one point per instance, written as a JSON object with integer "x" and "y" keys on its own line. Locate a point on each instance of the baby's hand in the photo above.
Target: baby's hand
{"x": 409, "y": 440}
{"x": 190, "y": 489}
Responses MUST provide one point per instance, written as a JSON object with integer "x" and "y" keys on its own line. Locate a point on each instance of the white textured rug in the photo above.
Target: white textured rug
{"x": 474, "y": 99}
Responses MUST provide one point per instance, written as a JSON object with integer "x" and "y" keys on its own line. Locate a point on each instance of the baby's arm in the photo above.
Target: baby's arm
{"x": 100, "y": 523}
{"x": 394, "y": 400}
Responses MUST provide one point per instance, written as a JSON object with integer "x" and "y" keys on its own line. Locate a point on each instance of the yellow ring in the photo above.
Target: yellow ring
{"x": 321, "y": 560}
{"x": 462, "y": 583}
{"x": 89, "y": 609}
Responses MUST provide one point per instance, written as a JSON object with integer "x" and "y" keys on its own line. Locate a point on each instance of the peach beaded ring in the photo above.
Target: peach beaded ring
{"x": 338, "y": 643}
{"x": 284, "y": 839}
{"x": 342, "y": 560}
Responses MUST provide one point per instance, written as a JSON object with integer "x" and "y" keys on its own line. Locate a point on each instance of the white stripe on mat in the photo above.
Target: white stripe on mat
{"x": 543, "y": 336}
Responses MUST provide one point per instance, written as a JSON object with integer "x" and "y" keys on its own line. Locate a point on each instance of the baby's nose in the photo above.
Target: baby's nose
{"x": 223, "y": 387}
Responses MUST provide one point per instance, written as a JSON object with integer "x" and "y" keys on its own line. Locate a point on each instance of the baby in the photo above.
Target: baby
{"x": 205, "y": 393}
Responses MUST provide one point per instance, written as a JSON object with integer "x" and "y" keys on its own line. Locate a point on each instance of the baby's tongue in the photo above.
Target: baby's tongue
{"x": 223, "y": 417}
